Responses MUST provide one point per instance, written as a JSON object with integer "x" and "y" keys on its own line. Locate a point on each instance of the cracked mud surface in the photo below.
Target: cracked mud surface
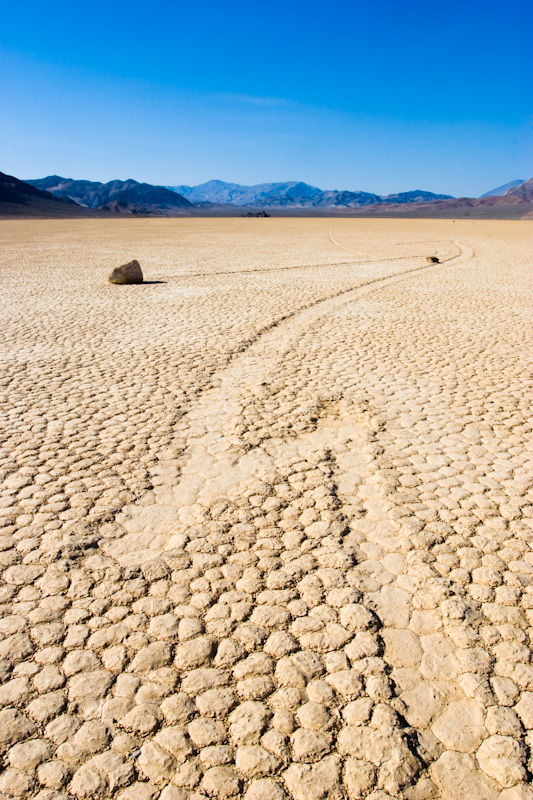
{"x": 266, "y": 521}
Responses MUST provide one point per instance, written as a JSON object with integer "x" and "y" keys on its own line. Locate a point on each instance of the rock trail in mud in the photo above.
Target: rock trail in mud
{"x": 326, "y": 590}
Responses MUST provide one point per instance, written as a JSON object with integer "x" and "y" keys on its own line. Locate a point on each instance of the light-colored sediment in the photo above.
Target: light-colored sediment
{"x": 266, "y": 520}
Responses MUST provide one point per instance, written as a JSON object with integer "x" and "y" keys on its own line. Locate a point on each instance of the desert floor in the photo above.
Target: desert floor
{"x": 266, "y": 518}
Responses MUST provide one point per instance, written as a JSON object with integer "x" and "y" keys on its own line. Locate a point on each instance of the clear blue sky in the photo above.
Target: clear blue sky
{"x": 383, "y": 96}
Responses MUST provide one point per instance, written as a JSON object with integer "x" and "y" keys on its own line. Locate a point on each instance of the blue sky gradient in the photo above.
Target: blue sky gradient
{"x": 383, "y": 96}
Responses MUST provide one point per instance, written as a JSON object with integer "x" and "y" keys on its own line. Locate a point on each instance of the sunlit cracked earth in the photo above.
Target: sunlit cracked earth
{"x": 266, "y": 519}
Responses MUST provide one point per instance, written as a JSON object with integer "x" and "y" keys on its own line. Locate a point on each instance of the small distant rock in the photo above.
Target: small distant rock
{"x": 127, "y": 273}
{"x": 429, "y": 259}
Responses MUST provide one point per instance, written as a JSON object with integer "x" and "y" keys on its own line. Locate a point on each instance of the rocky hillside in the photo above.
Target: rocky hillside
{"x": 524, "y": 191}
{"x": 20, "y": 199}
{"x": 123, "y": 196}
{"x": 502, "y": 189}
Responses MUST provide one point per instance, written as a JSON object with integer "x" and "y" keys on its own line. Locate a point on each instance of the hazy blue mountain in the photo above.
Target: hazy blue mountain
{"x": 237, "y": 195}
{"x": 293, "y": 194}
{"x": 502, "y": 189}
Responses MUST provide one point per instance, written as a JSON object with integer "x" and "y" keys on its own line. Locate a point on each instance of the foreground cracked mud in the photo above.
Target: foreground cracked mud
{"x": 266, "y": 522}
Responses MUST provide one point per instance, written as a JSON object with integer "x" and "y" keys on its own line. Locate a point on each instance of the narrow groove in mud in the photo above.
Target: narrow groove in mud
{"x": 361, "y": 287}
{"x": 327, "y": 591}
{"x": 306, "y": 266}
{"x": 241, "y": 369}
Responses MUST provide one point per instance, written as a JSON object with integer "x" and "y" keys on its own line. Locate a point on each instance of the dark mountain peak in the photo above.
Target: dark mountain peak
{"x": 49, "y": 182}
{"x": 56, "y": 179}
{"x": 302, "y": 189}
{"x": 127, "y": 182}
{"x": 414, "y": 196}
{"x": 347, "y": 199}
{"x": 13, "y": 190}
{"x": 301, "y": 186}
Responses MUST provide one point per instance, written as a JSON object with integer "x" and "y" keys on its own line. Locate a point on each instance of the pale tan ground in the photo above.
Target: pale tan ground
{"x": 266, "y": 520}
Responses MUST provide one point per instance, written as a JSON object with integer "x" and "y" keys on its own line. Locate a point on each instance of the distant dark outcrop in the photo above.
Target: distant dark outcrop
{"x": 416, "y": 196}
{"x": 347, "y": 199}
{"x": 127, "y": 197}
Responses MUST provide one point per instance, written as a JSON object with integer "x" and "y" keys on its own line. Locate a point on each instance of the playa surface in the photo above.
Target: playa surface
{"x": 266, "y": 518}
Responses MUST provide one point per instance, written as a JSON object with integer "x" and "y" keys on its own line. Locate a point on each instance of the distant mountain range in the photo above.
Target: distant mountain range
{"x": 500, "y": 190}
{"x": 55, "y": 196}
{"x": 125, "y": 196}
{"x": 131, "y": 197}
{"x": 293, "y": 194}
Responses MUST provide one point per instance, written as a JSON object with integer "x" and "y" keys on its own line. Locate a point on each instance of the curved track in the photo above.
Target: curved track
{"x": 324, "y": 594}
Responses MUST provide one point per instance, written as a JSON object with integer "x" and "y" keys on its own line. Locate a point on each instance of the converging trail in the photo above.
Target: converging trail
{"x": 247, "y": 369}
{"x": 268, "y": 537}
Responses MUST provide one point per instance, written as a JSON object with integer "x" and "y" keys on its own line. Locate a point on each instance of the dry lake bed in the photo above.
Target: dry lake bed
{"x": 266, "y": 519}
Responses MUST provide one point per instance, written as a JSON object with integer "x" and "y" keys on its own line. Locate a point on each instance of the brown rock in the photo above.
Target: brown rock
{"x": 126, "y": 273}
{"x": 432, "y": 260}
